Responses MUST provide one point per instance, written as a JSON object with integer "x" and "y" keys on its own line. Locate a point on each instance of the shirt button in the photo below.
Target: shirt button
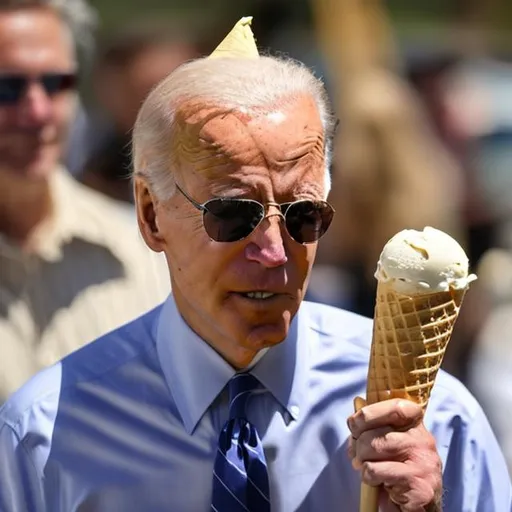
{"x": 294, "y": 409}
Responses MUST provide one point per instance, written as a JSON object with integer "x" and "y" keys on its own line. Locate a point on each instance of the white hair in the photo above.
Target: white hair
{"x": 229, "y": 83}
{"x": 80, "y": 18}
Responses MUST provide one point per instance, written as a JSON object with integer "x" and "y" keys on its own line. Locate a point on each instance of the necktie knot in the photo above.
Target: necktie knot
{"x": 241, "y": 387}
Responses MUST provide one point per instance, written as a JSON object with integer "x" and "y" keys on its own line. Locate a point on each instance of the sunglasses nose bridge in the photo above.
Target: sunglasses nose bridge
{"x": 36, "y": 103}
{"x": 272, "y": 209}
{"x": 277, "y": 212}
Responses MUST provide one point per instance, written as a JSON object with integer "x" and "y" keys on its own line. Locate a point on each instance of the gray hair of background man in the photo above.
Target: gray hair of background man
{"x": 78, "y": 15}
{"x": 244, "y": 85}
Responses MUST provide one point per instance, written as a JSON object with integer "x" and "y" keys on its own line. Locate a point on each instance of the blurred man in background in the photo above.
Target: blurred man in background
{"x": 71, "y": 266}
{"x": 128, "y": 66}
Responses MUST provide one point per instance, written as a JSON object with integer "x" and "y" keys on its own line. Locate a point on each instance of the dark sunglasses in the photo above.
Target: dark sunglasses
{"x": 13, "y": 86}
{"x": 231, "y": 220}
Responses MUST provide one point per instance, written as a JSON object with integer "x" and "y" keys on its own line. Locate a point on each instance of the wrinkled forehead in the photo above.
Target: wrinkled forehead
{"x": 214, "y": 140}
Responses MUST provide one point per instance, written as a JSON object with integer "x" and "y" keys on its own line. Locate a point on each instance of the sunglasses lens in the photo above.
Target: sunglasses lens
{"x": 11, "y": 89}
{"x": 307, "y": 221}
{"x": 230, "y": 220}
{"x": 54, "y": 83}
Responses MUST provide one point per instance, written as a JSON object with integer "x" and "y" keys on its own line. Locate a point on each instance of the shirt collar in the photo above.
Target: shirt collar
{"x": 196, "y": 374}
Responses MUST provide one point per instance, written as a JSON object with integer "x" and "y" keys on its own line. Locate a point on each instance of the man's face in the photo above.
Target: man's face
{"x": 33, "y": 129}
{"x": 276, "y": 156}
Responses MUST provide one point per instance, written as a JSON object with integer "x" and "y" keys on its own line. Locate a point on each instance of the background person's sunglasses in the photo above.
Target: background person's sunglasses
{"x": 14, "y": 85}
{"x": 231, "y": 220}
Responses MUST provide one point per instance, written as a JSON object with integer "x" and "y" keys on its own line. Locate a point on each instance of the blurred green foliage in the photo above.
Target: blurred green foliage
{"x": 422, "y": 20}
{"x": 115, "y": 12}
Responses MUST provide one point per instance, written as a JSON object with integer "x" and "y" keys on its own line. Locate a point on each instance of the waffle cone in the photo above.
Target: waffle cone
{"x": 410, "y": 336}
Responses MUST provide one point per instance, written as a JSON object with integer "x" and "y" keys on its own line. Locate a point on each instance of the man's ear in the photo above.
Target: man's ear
{"x": 145, "y": 204}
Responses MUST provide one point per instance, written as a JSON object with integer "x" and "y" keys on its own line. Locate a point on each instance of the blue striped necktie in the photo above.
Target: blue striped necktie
{"x": 240, "y": 479}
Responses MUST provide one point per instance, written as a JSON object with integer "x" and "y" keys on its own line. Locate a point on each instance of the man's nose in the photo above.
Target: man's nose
{"x": 267, "y": 244}
{"x": 35, "y": 106}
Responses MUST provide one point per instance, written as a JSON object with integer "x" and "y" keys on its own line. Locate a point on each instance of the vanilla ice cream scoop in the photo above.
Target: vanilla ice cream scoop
{"x": 425, "y": 261}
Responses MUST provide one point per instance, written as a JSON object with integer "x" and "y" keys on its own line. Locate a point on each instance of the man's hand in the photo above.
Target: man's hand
{"x": 392, "y": 448}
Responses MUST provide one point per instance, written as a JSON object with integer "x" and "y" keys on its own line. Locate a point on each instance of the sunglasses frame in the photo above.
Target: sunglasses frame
{"x": 283, "y": 210}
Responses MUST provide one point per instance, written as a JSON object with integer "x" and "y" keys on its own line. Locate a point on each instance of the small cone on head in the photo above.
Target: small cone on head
{"x": 239, "y": 43}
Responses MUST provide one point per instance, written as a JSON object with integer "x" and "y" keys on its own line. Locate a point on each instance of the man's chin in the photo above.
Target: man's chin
{"x": 41, "y": 166}
{"x": 35, "y": 171}
{"x": 267, "y": 334}
{"x": 36, "y": 164}
{"x": 263, "y": 324}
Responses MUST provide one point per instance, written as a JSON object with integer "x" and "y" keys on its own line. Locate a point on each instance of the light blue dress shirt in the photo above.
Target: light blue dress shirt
{"x": 131, "y": 423}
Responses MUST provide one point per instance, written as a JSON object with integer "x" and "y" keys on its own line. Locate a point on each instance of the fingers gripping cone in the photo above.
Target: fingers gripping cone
{"x": 239, "y": 42}
{"x": 422, "y": 280}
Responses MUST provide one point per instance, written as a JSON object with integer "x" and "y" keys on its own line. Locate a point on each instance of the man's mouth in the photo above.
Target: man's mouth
{"x": 258, "y": 295}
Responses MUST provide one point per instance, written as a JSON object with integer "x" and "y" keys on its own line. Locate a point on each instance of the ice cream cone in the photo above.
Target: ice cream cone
{"x": 422, "y": 279}
{"x": 410, "y": 336}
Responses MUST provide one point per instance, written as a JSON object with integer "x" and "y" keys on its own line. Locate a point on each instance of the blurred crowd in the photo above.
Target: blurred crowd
{"x": 424, "y": 138}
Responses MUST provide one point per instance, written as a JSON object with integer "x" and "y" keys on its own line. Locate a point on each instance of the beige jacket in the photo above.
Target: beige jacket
{"x": 91, "y": 273}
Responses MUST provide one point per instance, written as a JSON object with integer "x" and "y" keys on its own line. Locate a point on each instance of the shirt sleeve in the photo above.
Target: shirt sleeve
{"x": 20, "y": 485}
{"x": 476, "y": 477}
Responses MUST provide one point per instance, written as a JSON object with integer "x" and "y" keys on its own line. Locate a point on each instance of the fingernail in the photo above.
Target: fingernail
{"x": 352, "y": 423}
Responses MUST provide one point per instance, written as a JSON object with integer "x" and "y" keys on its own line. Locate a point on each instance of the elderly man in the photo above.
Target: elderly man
{"x": 71, "y": 266}
{"x": 234, "y": 394}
